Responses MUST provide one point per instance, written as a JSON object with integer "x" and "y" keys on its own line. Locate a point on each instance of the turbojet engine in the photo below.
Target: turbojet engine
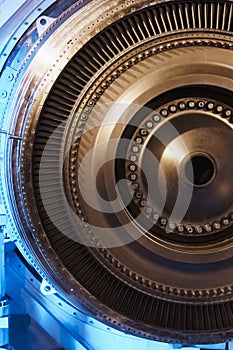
{"x": 116, "y": 167}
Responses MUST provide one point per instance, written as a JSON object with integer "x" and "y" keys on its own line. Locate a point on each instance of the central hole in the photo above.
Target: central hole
{"x": 199, "y": 170}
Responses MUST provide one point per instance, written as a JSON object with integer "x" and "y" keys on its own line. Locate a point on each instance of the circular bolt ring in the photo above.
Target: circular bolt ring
{"x": 209, "y": 164}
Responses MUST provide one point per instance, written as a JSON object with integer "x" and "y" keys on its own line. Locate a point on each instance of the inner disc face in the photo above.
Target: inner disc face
{"x": 128, "y": 169}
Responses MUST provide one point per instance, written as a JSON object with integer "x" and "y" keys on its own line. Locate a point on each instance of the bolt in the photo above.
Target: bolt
{"x": 135, "y": 149}
{"x": 208, "y": 228}
{"x": 180, "y": 228}
{"x": 191, "y": 104}
{"x": 210, "y": 105}
{"x": 3, "y": 93}
{"x": 133, "y": 177}
{"x": 135, "y": 186}
{"x": 164, "y": 113}
{"x": 173, "y": 108}
{"x": 139, "y": 140}
{"x": 10, "y": 77}
{"x": 149, "y": 125}
{"x": 133, "y": 158}
{"x": 143, "y": 132}
{"x": 149, "y": 210}
{"x": 138, "y": 194}
{"x": 182, "y": 106}
{"x": 189, "y": 229}
{"x": 163, "y": 221}
{"x": 217, "y": 225}
{"x": 198, "y": 229}
{"x": 225, "y": 221}
{"x": 201, "y": 104}
{"x": 219, "y": 109}
{"x": 155, "y": 217}
{"x": 47, "y": 289}
{"x": 172, "y": 225}
{"x": 143, "y": 203}
{"x": 132, "y": 167}
{"x": 156, "y": 118}
{"x": 228, "y": 113}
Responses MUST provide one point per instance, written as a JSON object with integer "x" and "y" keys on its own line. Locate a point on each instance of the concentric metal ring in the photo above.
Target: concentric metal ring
{"x": 147, "y": 129}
